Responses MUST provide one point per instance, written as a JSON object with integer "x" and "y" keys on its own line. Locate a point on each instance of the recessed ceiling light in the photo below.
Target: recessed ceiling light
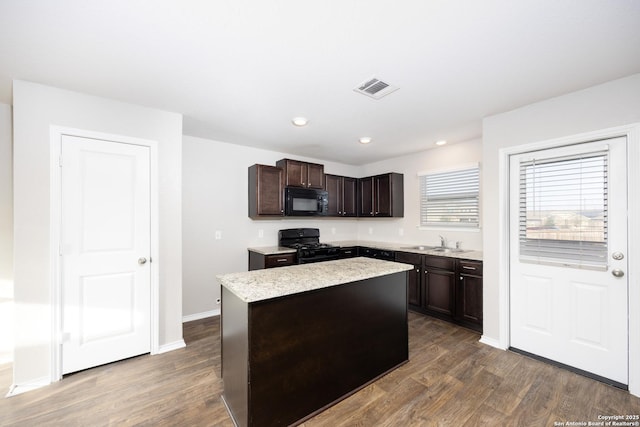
{"x": 365, "y": 140}
{"x": 441, "y": 142}
{"x": 300, "y": 121}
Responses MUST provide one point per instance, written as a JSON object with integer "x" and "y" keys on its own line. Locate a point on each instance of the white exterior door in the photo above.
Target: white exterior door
{"x": 105, "y": 250}
{"x": 568, "y": 256}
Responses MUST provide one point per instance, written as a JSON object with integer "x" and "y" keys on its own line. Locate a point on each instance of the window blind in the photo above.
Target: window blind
{"x": 563, "y": 210}
{"x": 450, "y": 198}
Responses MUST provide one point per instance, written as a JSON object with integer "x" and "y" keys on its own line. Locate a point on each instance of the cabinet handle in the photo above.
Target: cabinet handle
{"x": 461, "y": 278}
{"x": 281, "y": 260}
{"x": 418, "y": 270}
{"x": 466, "y": 267}
{"x": 426, "y": 272}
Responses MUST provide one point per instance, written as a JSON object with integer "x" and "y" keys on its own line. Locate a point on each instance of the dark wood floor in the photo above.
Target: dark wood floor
{"x": 451, "y": 380}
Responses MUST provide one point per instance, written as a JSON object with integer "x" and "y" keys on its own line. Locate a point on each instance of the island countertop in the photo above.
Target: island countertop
{"x": 259, "y": 285}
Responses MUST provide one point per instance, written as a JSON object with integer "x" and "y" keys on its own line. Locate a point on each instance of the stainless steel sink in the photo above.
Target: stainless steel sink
{"x": 436, "y": 249}
{"x": 421, "y": 247}
{"x": 446, "y": 250}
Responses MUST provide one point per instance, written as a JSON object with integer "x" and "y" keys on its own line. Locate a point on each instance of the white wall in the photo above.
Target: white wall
{"x": 406, "y": 229}
{"x": 604, "y": 106}
{"x": 215, "y": 199}
{"x": 36, "y": 109}
{"x": 6, "y": 235}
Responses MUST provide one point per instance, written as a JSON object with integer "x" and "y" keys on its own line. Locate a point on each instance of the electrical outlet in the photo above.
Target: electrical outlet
{"x": 218, "y": 234}
{"x": 370, "y": 230}
{"x": 333, "y": 230}
{"x": 400, "y": 231}
{"x": 260, "y": 233}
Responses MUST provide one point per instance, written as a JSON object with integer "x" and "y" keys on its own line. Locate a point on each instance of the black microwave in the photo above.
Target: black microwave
{"x": 305, "y": 201}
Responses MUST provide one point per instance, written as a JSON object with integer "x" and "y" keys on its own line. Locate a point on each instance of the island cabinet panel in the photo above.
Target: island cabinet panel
{"x": 308, "y": 350}
{"x": 235, "y": 353}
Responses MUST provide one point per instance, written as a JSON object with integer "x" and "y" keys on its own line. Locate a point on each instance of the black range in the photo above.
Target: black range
{"x": 307, "y": 243}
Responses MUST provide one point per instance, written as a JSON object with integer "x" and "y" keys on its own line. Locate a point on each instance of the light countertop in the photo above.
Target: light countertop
{"x": 408, "y": 247}
{"x": 402, "y": 247}
{"x": 272, "y": 250}
{"x": 259, "y": 285}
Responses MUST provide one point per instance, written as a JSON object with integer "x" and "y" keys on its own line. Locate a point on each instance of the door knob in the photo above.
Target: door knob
{"x": 617, "y": 272}
{"x": 142, "y": 260}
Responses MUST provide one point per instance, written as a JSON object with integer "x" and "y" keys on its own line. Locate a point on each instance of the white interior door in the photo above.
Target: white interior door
{"x": 568, "y": 256}
{"x": 105, "y": 250}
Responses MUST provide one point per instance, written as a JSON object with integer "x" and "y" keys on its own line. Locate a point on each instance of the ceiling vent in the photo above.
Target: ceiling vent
{"x": 375, "y": 88}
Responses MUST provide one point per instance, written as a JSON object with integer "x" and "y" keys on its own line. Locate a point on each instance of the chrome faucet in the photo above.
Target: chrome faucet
{"x": 443, "y": 242}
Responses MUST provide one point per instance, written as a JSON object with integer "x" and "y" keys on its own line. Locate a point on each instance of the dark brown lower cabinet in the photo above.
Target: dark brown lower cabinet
{"x": 469, "y": 293}
{"x": 349, "y": 252}
{"x": 446, "y": 288}
{"x": 414, "y": 277}
{"x": 439, "y": 286}
{"x": 288, "y": 358}
{"x": 258, "y": 261}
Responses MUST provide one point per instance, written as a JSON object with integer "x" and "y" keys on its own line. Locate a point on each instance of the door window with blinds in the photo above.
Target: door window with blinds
{"x": 563, "y": 210}
{"x": 450, "y": 198}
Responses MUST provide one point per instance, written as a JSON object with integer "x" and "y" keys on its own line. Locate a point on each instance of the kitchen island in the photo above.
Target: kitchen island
{"x": 297, "y": 339}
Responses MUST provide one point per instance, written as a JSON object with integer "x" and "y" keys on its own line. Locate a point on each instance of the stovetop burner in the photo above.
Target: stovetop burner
{"x": 307, "y": 242}
{"x": 308, "y": 245}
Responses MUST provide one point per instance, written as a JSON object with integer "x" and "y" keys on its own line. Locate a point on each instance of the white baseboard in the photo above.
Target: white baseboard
{"x": 171, "y": 346}
{"x": 198, "y": 316}
{"x": 492, "y": 342}
{"x": 17, "y": 389}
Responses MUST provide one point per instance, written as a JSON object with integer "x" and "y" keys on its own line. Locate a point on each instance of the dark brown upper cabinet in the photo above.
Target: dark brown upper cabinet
{"x": 302, "y": 174}
{"x": 342, "y": 193}
{"x": 381, "y": 195}
{"x": 266, "y": 186}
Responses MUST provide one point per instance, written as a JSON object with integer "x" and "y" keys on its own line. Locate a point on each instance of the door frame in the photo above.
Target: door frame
{"x": 632, "y": 133}
{"x": 56, "y": 133}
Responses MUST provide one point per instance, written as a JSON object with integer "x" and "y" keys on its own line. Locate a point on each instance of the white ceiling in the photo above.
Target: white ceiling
{"x": 240, "y": 70}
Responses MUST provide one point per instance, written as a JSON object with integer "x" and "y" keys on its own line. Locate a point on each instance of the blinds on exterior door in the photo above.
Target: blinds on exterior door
{"x": 563, "y": 210}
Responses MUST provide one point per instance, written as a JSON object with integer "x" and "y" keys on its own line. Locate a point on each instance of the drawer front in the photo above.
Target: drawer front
{"x": 409, "y": 258}
{"x": 348, "y": 252}
{"x": 470, "y": 267}
{"x": 280, "y": 260}
{"x": 440, "y": 262}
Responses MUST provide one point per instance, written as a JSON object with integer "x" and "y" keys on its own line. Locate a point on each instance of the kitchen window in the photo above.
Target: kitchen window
{"x": 450, "y": 198}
